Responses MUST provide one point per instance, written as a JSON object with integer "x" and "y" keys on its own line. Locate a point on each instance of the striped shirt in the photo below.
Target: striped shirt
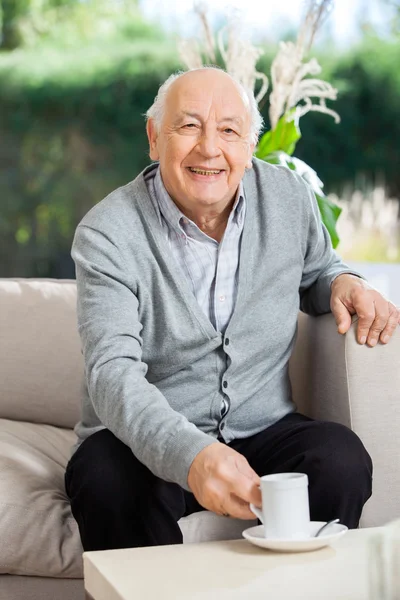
{"x": 210, "y": 267}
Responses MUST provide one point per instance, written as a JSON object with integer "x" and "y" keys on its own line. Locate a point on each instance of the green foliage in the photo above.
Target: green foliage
{"x": 95, "y": 22}
{"x": 395, "y": 5}
{"x": 11, "y": 12}
{"x": 70, "y": 23}
{"x": 72, "y": 129}
{"x": 284, "y": 137}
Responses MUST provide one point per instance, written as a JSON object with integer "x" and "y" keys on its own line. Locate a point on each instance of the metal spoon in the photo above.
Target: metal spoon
{"x": 325, "y": 526}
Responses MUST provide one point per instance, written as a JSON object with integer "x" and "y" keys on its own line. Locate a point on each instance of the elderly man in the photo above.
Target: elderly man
{"x": 190, "y": 279}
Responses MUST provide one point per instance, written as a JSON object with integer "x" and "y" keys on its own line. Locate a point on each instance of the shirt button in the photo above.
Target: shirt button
{"x": 227, "y": 342}
{"x": 222, "y": 298}
{"x": 225, "y": 384}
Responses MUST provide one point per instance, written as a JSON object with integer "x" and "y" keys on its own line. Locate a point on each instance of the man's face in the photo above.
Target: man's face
{"x": 206, "y": 126}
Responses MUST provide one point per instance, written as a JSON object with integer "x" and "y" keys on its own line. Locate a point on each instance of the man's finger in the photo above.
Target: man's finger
{"x": 247, "y": 490}
{"x": 391, "y": 325}
{"x": 243, "y": 467}
{"x": 379, "y": 323}
{"x": 342, "y": 316}
{"x": 245, "y": 487}
{"x": 365, "y": 309}
{"x": 235, "y": 507}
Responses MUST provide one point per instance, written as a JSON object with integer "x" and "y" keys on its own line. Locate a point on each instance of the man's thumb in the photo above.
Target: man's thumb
{"x": 342, "y": 318}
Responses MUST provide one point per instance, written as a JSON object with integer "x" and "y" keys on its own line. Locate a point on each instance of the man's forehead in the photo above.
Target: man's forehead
{"x": 223, "y": 115}
{"x": 224, "y": 103}
{"x": 211, "y": 79}
{"x": 210, "y": 84}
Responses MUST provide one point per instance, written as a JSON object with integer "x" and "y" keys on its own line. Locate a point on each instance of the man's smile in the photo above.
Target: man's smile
{"x": 200, "y": 173}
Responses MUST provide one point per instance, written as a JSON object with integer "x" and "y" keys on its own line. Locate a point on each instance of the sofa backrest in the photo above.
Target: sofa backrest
{"x": 41, "y": 365}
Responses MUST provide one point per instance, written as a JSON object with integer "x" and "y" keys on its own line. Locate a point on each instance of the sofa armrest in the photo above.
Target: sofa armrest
{"x": 336, "y": 379}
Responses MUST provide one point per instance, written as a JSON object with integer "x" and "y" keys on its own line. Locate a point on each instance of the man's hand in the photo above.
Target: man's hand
{"x": 223, "y": 481}
{"x": 378, "y": 318}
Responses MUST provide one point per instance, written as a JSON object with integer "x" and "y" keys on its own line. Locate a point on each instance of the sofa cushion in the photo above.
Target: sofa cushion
{"x": 38, "y": 534}
{"x": 41, "y": 365}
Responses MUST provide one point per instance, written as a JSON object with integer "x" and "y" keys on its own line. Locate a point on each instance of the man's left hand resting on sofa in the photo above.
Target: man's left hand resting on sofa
{"x": 377, "y": 317}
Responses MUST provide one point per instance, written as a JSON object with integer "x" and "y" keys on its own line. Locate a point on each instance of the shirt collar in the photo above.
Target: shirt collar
{"x": 174, "y": 216}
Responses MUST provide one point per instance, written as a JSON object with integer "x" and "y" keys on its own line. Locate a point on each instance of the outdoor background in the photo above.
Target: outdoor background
{"x": 76, "y": 77}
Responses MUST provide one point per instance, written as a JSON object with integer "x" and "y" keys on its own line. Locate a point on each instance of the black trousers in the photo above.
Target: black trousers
{"x": 119, "y": 503}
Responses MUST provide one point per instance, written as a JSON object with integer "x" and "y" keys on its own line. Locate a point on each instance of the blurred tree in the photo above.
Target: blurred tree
{"x": 365, "y": 144}
{"x": 395, "y": 4}
{"x": 11, "y": 12}
{"x": 15, "y": 15}
{"x": 25, "y": 21}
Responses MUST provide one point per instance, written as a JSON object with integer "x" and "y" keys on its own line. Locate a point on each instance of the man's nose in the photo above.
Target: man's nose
{"x": 208, "y": 144}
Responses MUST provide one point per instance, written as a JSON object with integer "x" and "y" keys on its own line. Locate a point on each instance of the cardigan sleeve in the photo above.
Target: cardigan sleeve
{"x": 133, "y": 409}
{"x": 321, "y": 263}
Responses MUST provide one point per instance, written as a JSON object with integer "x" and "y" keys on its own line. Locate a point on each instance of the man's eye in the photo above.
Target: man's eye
{"x": 191, "y": 125}
{"x": 229, "y": 130}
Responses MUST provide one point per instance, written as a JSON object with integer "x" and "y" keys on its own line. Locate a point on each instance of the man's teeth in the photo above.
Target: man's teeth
{"x": 201, "y": 172}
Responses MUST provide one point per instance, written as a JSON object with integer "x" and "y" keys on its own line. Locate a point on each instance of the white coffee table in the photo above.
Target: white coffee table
{"x": 231, "y": 570}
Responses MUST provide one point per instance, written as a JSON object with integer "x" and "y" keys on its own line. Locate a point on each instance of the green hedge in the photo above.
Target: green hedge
{"x": 72, "y": 129}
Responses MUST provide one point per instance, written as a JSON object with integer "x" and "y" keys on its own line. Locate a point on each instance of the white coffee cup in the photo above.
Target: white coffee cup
{"x": 285, "y": 510}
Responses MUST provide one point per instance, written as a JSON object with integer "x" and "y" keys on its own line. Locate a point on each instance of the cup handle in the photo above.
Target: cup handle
{"x": 257, "y": 512}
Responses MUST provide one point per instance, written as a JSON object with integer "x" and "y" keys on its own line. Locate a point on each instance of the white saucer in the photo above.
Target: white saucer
{"x": 255, "y": 535}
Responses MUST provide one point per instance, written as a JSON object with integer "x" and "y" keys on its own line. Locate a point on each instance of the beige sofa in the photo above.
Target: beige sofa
{"x": 41, "y": 371}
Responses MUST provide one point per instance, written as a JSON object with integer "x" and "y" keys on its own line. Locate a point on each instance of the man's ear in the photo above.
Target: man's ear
{"x": 152, "y": 137}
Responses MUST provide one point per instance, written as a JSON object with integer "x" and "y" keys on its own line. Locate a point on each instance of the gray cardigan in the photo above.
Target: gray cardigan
{"x": 156, "y": 369}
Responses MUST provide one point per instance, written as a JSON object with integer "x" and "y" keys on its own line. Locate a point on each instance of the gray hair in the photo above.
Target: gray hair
{"x": 156, "y": 110}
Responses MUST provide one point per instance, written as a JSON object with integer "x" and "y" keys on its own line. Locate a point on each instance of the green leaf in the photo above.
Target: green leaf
{"x": 284, "y": 137}
{"x": 330, "y": 212}
{"x": 280, "y": 158}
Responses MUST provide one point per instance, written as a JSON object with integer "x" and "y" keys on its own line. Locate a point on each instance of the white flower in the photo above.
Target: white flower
{"x": 195, "y": 54}
{"x": 291, "y": 86}
{"x": 288, "y": 72}
{"x": 239, "y": 55}
{"x": 190, "y": 54}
